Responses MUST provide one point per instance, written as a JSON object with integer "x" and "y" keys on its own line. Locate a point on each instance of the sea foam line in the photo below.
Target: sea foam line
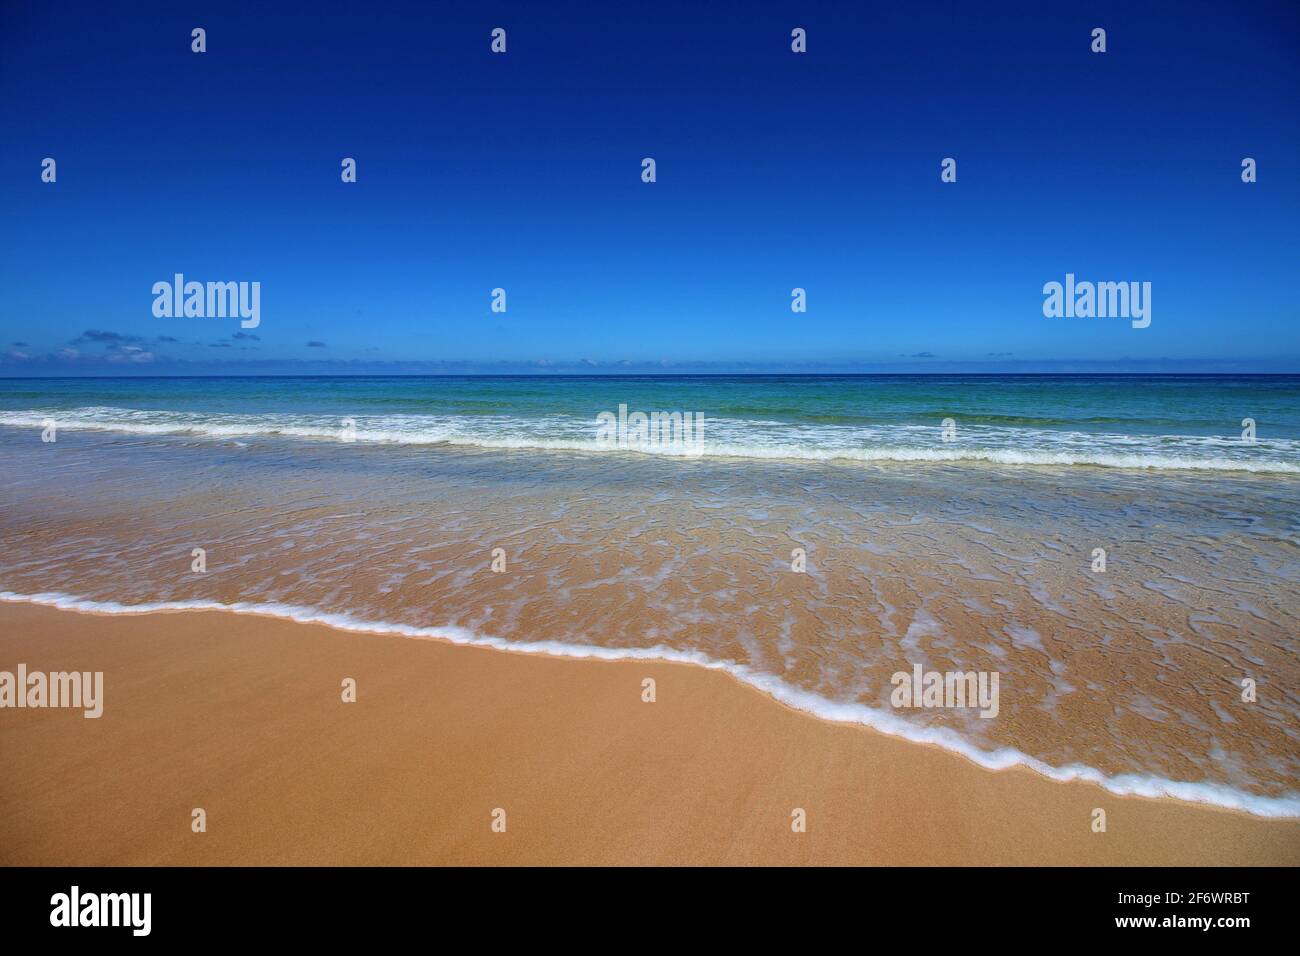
{"x": 191, "y": 424}
{"x": 1124, "y": 785}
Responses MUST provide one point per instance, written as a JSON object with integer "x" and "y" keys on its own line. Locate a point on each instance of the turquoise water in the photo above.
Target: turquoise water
{"x": 1132, "y": 421}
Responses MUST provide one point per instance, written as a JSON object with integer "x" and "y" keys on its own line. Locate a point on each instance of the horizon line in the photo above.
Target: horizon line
{"x": 665, "y": 374}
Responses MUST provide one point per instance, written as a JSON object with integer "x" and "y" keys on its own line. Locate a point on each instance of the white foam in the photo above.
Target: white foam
{"x": 728, "y": 438}
{"x": 888, "y": 723}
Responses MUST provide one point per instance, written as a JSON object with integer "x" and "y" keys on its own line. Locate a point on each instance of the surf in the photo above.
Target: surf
{"x": 728, "y": 439}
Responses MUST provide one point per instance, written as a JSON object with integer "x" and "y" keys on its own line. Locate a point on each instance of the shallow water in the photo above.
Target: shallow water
{"x": 1132, "y": 675}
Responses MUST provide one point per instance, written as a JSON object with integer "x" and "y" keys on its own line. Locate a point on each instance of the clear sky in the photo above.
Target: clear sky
{"x": 775, "y": 170}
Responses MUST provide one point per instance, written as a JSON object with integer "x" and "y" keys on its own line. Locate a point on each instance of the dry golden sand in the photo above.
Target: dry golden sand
{"x": 242, "y": 716}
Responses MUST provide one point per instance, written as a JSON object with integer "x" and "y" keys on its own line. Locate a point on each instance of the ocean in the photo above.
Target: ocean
{"x": 1155, "y": 422}
{"x": 823, "y": 534}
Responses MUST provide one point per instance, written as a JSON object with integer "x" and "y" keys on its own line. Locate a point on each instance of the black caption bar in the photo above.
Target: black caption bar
{"x": 171, "y": 906}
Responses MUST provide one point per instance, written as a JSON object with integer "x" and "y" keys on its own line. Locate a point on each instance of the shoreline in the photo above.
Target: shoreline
{"x": 773, "y": 688}
{"x": 709, "y": 773}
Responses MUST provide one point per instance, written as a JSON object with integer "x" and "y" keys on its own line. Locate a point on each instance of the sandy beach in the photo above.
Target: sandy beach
{"x": 243, "y": 717}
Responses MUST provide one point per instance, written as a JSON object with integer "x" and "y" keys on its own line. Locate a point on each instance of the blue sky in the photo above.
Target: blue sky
{"x": 522, "y": 171}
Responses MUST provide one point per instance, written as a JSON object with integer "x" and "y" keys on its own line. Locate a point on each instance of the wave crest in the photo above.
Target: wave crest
{"x": 724, "y": 438}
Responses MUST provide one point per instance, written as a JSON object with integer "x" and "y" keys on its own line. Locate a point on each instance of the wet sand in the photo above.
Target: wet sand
{"x": 243, "y": 717}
